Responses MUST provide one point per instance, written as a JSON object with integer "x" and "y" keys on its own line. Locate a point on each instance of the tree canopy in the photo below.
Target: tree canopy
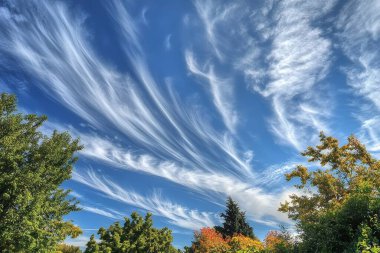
{"x": 208, "y": 240}
{"x": 32, "y": 167}
{"x": 137, "y": 235}
{"x": 339, "y": 208}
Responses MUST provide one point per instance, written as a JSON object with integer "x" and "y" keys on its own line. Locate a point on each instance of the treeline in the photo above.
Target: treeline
{"x": 336, "y": 209}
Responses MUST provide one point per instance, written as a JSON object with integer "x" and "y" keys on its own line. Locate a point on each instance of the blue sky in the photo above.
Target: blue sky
{"x": 180, "y": 104}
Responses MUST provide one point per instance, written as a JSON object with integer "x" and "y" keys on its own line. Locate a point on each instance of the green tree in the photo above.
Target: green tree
{"x": 339, "y": 202}
{"x": 64, "y": 248}
{"x": 234, "y": 221}
{"x": 92, "y": 245}
{"x": 368, "y": 241}
{"x": 137, "y": 235}
{"x": 32, "y": 167}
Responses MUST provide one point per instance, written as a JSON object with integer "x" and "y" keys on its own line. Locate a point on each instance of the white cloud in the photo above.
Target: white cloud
{"x": 176, "y": 214}
{"x": 80, "y": 241}
{"x": 53, "y": 47}
{"x": 167, "y": 42}
{"x": 369, "y": 133}
{"x": 220, "y": 89}
{"x": 113, "y": 214}
{"x": 284, "y": 57}
{"x": 359, "y": 35}
{"x": 299, "y": 59}
{"x": 210, "y": 17}
{"x": 215, "y": 184}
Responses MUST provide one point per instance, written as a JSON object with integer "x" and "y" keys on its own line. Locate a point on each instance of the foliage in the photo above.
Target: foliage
{"x": 208, "y": 240}
{"x": 137, "y": 235}
{"x": 244, "y": 244}
{"x": 234, "y": 222}
{"x": 32, "y": 167}
{"x": 337, "y": 210}
{"x": 279, "y": 242}
{"x": 64, "y": 248}
{"x": 369, "y": 241}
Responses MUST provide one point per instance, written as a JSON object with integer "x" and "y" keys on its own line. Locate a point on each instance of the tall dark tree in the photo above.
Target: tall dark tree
{"x": 234, "y": 221}
{"x": 32, "y": 167}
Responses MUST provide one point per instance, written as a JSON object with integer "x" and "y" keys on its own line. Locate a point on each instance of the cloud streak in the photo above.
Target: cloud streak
{"x": 289, "y": 71}
{"x": 299, "y": 59}
{"x": 176, "y": 214}
{"x": 220, "y": 89}
{"x": 56, "y": 50}
{"x": 106, "y": 213}
{"x": 164, "y": 135}
{"x": 359, "y": 34}
{"x": 215, "y": 185}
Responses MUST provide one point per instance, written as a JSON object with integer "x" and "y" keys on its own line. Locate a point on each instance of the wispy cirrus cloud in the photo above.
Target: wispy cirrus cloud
{"x": 54, "y": 48}
{"x": 161, "y": 134}
{"x": 79, "y": 241}
{"x": 221, "y": 90}
{"x": 213, "y": 184}
{"x": 176, "y": 214}
{"x": 167, "y": 42}
{"x": 106, "y": 212}
{"x": 298, "y": 61}
{"x": 211, "y": 16}
{"x": 359, "y": 35}
{"x": 285, "y": 58}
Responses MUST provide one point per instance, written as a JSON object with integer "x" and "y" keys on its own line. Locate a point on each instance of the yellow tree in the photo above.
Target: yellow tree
{"x": 338, "y": 199}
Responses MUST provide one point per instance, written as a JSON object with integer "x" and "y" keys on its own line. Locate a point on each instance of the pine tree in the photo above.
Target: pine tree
{"x": 234, "y": 221}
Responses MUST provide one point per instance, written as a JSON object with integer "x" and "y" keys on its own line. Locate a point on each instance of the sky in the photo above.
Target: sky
{"x": 180, "y": 104}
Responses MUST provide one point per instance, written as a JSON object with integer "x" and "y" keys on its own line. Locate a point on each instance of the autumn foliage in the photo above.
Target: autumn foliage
{"x": 275, "y": 240}
{"x": 240, "y": 243}
{"x": 208, "y": 240}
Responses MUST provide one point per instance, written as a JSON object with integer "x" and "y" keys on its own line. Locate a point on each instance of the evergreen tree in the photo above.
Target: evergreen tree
{"x": 234, "y": 221}
{"x": 32, "y": 167}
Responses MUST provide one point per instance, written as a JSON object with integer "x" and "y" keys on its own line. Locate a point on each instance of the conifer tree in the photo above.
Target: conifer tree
{"x": 234, "y": 221}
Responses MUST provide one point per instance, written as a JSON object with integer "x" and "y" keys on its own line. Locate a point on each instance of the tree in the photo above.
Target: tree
{"x": 32, "y": 167}
{"x": 234, "y": 221}
{"x": 92, "y": 245}
{"x": 137, "y": 235}
{"x": 208, "y": 240}
{"x": 279, "y": 242}
{"x": 368, "y": 242}
{"x": 64, "y": 248}
{"x": 244, "y": 244}
{"x": 337, "y": 209}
